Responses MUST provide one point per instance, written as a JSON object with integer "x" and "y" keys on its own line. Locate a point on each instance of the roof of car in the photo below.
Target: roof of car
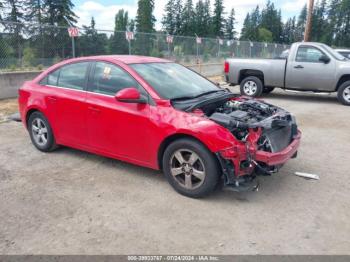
{"x": 126, "y": 59}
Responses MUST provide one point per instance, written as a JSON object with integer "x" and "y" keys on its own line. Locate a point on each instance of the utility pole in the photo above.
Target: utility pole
{"x": 309, "y": 21}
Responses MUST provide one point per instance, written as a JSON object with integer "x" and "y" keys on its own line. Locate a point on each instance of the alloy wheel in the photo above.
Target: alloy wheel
{"x": 39, "y": 131}
{"x": 187, "y": 168}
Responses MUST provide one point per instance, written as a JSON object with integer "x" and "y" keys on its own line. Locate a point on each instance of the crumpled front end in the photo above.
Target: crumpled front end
{"x": 267, "y": 137}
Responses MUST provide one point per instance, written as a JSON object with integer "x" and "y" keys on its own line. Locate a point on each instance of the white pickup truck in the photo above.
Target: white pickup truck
{"x": 307, "y": 66}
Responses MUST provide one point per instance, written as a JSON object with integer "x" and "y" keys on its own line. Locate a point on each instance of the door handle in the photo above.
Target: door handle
{"x": 94, "y": 109}
{"x": 298, "y": 67}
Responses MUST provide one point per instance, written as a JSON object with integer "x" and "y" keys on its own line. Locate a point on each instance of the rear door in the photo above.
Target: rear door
{"x": 117, "y": 128}
{"x": 70, "y": 100}
{"x": 306, "y": 72}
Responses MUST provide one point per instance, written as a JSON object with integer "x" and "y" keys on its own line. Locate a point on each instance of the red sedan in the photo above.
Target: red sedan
{"x": 158, "y": 114}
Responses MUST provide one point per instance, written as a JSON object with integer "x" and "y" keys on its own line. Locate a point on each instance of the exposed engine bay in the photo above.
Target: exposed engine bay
{"x": 242, "y": 116}
{"x": 239, "y": 115}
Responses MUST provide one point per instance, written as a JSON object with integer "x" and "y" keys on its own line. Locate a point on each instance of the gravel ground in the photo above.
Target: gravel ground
{"x": 7, "y": 107}
{"x": 71, "y": 202}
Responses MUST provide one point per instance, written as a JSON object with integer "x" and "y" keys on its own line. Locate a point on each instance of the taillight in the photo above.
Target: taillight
{"x": 227, "y": 67}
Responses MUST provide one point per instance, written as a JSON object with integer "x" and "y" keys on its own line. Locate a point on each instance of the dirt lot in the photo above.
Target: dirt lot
{"x": 7, "y": 107}
{"x": 70, "y": 202}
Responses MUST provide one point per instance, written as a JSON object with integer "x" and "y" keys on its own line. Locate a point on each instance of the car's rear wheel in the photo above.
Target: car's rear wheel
{"x": 251, "y": 86}
{"x": 344, "y": 93}
{"x": 190, "y": 168}
{"x": 41, "y": 133}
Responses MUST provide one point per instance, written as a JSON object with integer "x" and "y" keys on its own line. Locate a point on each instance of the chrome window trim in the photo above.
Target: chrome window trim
{"x": 84, "y": 91}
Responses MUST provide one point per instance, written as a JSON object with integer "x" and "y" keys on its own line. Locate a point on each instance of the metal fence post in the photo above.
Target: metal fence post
{"x": 73, "y": 47}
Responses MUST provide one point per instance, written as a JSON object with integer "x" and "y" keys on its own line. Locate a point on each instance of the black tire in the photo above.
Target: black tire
{"x": 211, "y": 168}
{"x": 257, "y": 86}
{"x": 33, "y": 122}
{"x": 268, "y": 89}
{"x": 344, "y": 93}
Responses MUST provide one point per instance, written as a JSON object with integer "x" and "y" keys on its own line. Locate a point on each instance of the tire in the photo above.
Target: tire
{"x": 344, "y": 93}
{"x": 177, "y": 166}
{"x": 251, "y": 86}
{"x": 268, "y": 89}
{"x": 41, "y": 133}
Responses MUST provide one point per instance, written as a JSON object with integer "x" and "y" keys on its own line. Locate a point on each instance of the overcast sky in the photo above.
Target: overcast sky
{"x": 104, "y": 10}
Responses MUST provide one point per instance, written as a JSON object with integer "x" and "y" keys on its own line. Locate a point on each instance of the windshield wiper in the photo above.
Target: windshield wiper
{"x": 196, "y": 96}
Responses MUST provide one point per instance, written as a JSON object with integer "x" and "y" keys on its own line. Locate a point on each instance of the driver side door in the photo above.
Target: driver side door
{"x": 115, "y": 128}
{"x": 307, "y": 72}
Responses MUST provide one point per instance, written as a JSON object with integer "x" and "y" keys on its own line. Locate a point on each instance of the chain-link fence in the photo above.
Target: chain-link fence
{"x": 34, "y": 47}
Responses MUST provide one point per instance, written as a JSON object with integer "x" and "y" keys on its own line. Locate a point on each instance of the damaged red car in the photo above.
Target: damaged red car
{"x": 158, "y": 114}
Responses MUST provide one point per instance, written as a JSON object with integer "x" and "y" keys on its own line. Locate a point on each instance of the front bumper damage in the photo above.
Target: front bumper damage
{"x": 242, "y": 163}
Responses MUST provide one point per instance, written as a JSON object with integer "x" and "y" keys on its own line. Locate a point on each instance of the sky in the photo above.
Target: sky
{"x": 104, "y": 10}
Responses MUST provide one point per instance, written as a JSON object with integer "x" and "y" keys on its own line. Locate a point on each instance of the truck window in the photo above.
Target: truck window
{"x": 308, "y": 54}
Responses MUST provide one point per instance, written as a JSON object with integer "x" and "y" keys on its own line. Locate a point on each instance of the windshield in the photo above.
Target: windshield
{"x": 171, "y": 80}
{"x": 335, "y": 54}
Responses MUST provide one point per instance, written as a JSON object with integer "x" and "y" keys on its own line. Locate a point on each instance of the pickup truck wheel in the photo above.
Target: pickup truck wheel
{"x": 268, "y": 90}
{"x": 251, "y": 86}
{"x": 190, "y": 168}
{"x": 344, "y": 93}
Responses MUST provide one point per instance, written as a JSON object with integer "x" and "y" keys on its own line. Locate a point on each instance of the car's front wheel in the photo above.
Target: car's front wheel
{"x": 252, "y": 86}
{"x": 41, "y": 133}
{"x": 190, "y": 168}
{"x": 344, "y": 93}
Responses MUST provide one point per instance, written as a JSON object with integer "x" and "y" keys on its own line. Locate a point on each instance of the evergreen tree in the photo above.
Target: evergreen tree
{"x": 271, "y": 19}
{"x": 144, "y": 18}
{"x": 169, "y": 17}
{"x": 230, "y": 31}
{"x": 118, "y": 44}
{"x": 343, "y": 26}
{"x": 218, "y": 20}
{"x": 207, "y": 18}
{"x": 188, "y": 22}
{"x": 334, "y": 22}
{"x": 1, "y": 8}
{"x": 12, "y": 18}
{"x": 301, "y": 23}
{"x": 34, "y": 11}
{"x": 250, "y": 30}
{"x": 290, "y": 31}
{"x": 91, "y": 42}
{"x": 144, "y": 23}
{"x": 177, "y": 16}
{"x": 319, "y": 22}
{"x": 200, "y": 24}
{"x": 60, "y": 12}
{"x": 246, "y": 28}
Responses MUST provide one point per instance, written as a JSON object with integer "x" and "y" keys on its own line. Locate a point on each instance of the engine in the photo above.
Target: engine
{"x": 240, "y": 115}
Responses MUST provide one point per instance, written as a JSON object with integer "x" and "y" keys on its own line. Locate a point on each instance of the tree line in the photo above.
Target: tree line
{"x": 22, "y": 37}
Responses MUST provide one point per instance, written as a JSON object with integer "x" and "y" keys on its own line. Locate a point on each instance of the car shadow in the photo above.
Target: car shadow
{"x": 110, "y": 162}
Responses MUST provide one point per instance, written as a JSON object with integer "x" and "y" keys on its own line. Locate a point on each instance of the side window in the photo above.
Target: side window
{"x": 53, "y": 78}
{"x": 73, "y": 76}
{"x": 50, "y": 79}
{"x": 308, "y": 54}
{"x": 108, "y": 79}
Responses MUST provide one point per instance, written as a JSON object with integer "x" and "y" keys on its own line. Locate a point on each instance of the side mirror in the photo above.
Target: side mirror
{"x": 130, "y": 95}
{"x": 325, "y": 59}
